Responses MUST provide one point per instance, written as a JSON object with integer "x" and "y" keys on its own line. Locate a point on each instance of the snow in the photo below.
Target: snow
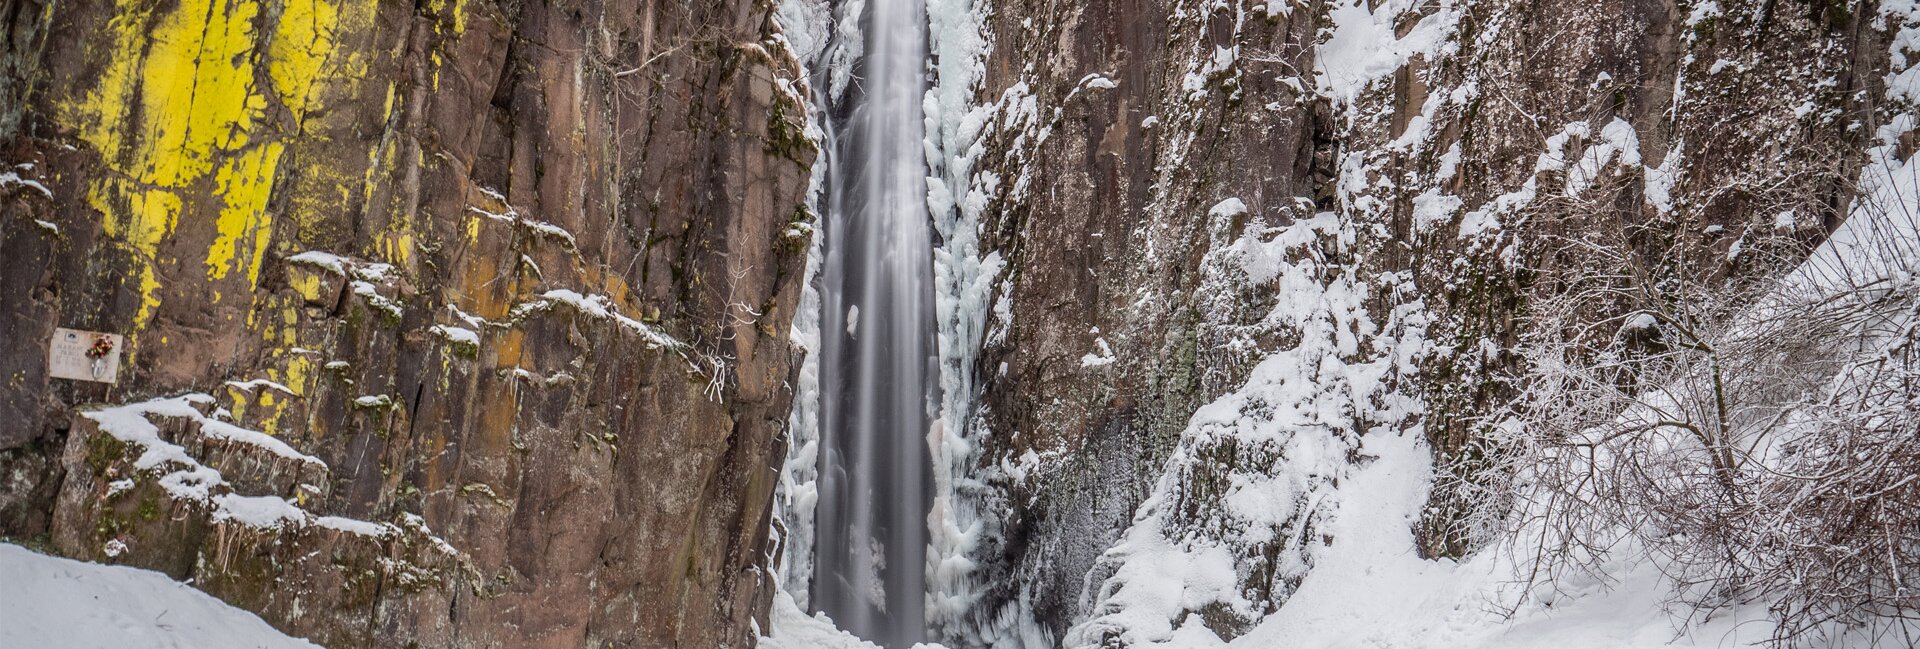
{"x": 53, "y": 602}
{"x": 10, "y": 179}
{"x": 551, "y": 230}
{"x": 1432, "y": 209}
{"x": 221, "y": 430}
{"x": 472, "y": 320}
{"x": 1617, "y": 141}
{"x": 1903, "y": 77}
{"x": 372, "y": 271}
{"x": 258, "y": 512}
{"x": 1288, "y": 430}
{"x": 1363, "y": 48}
{"x": 367, "y": 291}
{"x": 1098, "y": 81}
{"x": 601, "y": 307}
{"x": 1227, "y": 208}
{"x": 128, "y": 423}
{"x": 497, "y": 216}
{"x": 457, "y": 335}
{"x": 513, "y": 216}
{"x": 1704, "y": 11}
{"x": 1103, "y": 356}
{"x": 363, "y": 271}
{"x": 360, "y": 527}
{"x": 794, "y": 629}
{"x": 184, "y": 478}
{"x": 256, "y": 384}
{"x": 321, "y": 259}
{"x": 1882, "y": 233}
{"x": 1367, "y": 588}
{"x": 1372, "y": 591}
{"x": 1640, "y": 321}
{"x": 1660, "y": 180}
{"x": 807, "y": 27}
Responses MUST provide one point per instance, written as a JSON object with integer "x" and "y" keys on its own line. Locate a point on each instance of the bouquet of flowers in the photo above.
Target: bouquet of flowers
{"x": 101, "y": 347}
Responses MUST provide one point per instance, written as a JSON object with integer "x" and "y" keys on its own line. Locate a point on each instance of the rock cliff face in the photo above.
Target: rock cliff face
{"x": 481, "y": 309}
{"x": 1367, "y": 193}
{"x": 1105, "y": 232}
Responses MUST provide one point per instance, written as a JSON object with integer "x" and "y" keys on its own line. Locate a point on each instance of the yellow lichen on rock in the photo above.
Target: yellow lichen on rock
{"x": 245, "y": 183}
{"x": 146, "y": 217}
{"x": 315, "y": 60}
{"x": 191, "y": 140}
{"x": 303, "y": 41}
{"x": 299, "y": 368}
{"x": 452, "y": 23}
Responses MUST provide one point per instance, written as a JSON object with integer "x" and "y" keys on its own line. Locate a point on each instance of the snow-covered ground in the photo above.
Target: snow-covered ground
{"x": 1370, "y": 591}
{"x": 52, "y": 602}
{"x": 794, "y": 629}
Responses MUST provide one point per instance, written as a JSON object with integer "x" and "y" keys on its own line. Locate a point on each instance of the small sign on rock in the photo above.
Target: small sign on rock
{"x": 84, "y": 355}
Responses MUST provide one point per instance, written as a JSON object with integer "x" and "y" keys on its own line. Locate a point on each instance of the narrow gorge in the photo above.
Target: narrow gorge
{"x": 960, "y": 324}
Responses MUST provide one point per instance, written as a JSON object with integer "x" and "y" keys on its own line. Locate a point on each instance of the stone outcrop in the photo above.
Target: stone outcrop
{"x": 516, "y": 276}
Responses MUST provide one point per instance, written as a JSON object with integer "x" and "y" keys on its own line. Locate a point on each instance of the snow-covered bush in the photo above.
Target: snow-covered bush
{"x": 1759, "y": 443}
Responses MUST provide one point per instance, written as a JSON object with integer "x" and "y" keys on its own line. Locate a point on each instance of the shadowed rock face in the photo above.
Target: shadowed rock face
{"x": 1107, "y": 246}
{"x": 551, "y": 320}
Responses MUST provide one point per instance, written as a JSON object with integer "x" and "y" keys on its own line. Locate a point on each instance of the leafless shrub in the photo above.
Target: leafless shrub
{"x": 736, "y": 314}
{"x": 1760, "y": 443}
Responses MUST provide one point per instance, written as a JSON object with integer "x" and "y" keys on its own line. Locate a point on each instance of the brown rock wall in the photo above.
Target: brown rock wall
{"x": 551, "y": 319}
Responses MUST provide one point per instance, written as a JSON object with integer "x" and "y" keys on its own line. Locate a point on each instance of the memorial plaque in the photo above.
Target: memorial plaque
{"x": 84, "y": 355}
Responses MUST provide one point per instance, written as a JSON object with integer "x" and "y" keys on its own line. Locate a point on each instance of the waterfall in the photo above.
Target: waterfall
{"x": 877, "y": 341}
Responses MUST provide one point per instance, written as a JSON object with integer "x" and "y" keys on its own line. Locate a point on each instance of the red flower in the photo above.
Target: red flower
{"x": 101, "y": 347}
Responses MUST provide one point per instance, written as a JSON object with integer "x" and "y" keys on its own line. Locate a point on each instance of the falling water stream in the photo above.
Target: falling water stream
{"x": 877, "y": 341}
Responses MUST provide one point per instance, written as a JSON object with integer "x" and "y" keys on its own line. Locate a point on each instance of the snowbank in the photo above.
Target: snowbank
{"x": 794, "y": 629}
{"x": 1369, "y": 590}
{"x": 52, "y": 602}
